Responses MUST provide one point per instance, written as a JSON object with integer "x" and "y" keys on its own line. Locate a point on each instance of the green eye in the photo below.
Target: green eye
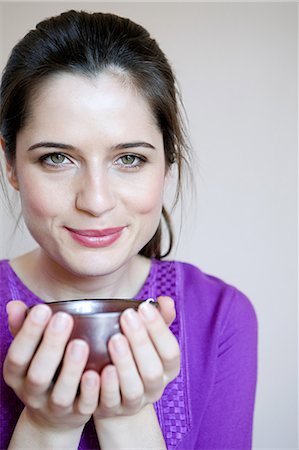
{"x": 57, "y": 158}
{"x": 130, "y": 162}
{"x": 128, "y": 159}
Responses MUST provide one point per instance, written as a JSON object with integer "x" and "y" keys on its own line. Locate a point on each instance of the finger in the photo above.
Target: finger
{"x": 49, "y": 353}
{"x": 162, "y": 338}
{"x": 88, "y": 398}
{"x": 66, "y": 387}
{"x": 131, "y": 386}
{"x": 25, "y": 343}
{"x": 167, "y": 309}
{"x": 110, "y": 398}
{"x": 146, "y": 357}
{"x": 16, "y": 311}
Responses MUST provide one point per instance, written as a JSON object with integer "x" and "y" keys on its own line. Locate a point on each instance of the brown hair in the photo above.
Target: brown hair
{"x": 87, "y": 43}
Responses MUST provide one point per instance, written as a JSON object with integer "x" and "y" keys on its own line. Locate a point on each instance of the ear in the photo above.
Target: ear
{"x": 10, "y": 168}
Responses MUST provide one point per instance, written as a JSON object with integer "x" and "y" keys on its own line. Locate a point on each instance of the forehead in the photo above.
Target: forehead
{"x": 105, "y": 91}
{"x": 82, "y": 108}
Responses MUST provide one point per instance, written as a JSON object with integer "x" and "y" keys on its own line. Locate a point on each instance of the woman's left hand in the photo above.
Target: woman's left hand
{"x": 146, "y": 357}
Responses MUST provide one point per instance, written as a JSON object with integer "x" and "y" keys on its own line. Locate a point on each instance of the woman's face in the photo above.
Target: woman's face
{"x": 90, "y": 169}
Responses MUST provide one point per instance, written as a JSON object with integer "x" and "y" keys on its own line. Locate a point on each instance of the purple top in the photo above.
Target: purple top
{"x": 210, "y": 404}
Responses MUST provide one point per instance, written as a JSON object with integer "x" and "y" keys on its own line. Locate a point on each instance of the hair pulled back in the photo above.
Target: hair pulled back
{"x": 88, "y": 43}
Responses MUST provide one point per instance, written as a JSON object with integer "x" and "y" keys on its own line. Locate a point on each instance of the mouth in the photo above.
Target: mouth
{"x": 96, "y": 238}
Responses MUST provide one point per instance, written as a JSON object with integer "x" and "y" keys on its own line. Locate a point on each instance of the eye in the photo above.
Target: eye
{"x": 55, "y": 159}
{"x": 130, "y": 161}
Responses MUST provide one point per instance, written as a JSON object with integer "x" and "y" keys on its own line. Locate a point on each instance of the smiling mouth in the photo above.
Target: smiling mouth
{"x": 96, "y": 238}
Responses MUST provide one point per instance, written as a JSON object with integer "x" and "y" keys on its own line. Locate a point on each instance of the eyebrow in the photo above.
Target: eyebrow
{"x": 71, "y": 147}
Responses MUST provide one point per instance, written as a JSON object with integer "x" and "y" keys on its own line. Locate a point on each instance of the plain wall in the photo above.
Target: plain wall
{"x": 237, "y": 68}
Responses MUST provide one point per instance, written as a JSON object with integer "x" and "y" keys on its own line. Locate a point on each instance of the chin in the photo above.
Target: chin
{"x": 93, "y": 265}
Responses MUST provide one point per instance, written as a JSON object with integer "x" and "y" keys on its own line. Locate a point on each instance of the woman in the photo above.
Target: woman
{"x": 90, "y": 127}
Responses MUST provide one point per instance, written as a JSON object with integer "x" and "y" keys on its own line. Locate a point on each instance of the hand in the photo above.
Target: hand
{"x": 145, "y": 358}
{"x": 39, "y": 346}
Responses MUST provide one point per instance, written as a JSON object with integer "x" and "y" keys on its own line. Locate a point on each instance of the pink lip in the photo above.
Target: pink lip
{"x": 96, "y": 238}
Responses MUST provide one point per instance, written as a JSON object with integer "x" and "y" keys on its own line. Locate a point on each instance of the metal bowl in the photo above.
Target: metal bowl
{"x": 95, "y": 321}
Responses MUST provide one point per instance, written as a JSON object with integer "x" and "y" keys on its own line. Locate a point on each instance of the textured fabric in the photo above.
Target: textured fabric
{"x": 209, "y": 406}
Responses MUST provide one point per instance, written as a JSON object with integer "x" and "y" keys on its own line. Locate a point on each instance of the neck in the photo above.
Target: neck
{"x": 50, "y": 281}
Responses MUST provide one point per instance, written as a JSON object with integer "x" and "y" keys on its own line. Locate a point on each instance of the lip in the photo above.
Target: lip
{"x": 96, "y": 238}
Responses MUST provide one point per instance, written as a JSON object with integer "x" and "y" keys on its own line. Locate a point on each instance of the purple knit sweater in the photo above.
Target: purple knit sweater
{"x": 210, "y": 404}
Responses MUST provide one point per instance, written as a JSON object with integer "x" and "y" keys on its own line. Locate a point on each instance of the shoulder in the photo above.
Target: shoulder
{"x": 3, "y": 265}
{"x": 6, "y": 287}
{"x": 204, "y": 295}
{"x": 5, "y": 271}
{"x": 13, "y": 288}
{"x": 6, "y": 282}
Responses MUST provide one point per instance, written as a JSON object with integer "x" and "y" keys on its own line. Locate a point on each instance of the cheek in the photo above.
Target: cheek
{"x": 38, "y": 200}
{"x": 147, "y": 198}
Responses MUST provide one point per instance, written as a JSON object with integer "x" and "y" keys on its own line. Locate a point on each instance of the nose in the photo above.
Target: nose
{"x": 95, "y": 194}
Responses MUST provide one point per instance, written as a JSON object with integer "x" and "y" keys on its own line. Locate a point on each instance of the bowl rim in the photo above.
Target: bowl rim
{"x": 99, "y": 313}
{"x": 99, "y": 300}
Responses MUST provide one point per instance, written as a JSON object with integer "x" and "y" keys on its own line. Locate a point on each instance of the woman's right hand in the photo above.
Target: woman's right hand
{"x": 39, "y": 346}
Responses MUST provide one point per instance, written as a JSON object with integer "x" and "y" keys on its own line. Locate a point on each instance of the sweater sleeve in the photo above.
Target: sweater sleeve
{"x": 227, "y": 421}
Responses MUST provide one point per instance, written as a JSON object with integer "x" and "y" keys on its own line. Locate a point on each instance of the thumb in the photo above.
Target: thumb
{"x": 16, "y": 311}
{"x": 167, "y": 309}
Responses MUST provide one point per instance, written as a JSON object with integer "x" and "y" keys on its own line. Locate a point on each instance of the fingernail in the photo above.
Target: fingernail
{"x": 77, "y": 350}
{"x": 7, "y": 308}
{"x": 148, "y": 311}
{"x": 40, "y": 314}
{"x": 90, "y": 380}
{"x": 60, "y": 321}
{"x": 111, "y": 372}
{"x": 131, "y": 318}
{"x": 119, "y": 345}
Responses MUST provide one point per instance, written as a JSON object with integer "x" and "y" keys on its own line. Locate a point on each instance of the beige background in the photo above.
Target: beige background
{"x": 237, "y": 67}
